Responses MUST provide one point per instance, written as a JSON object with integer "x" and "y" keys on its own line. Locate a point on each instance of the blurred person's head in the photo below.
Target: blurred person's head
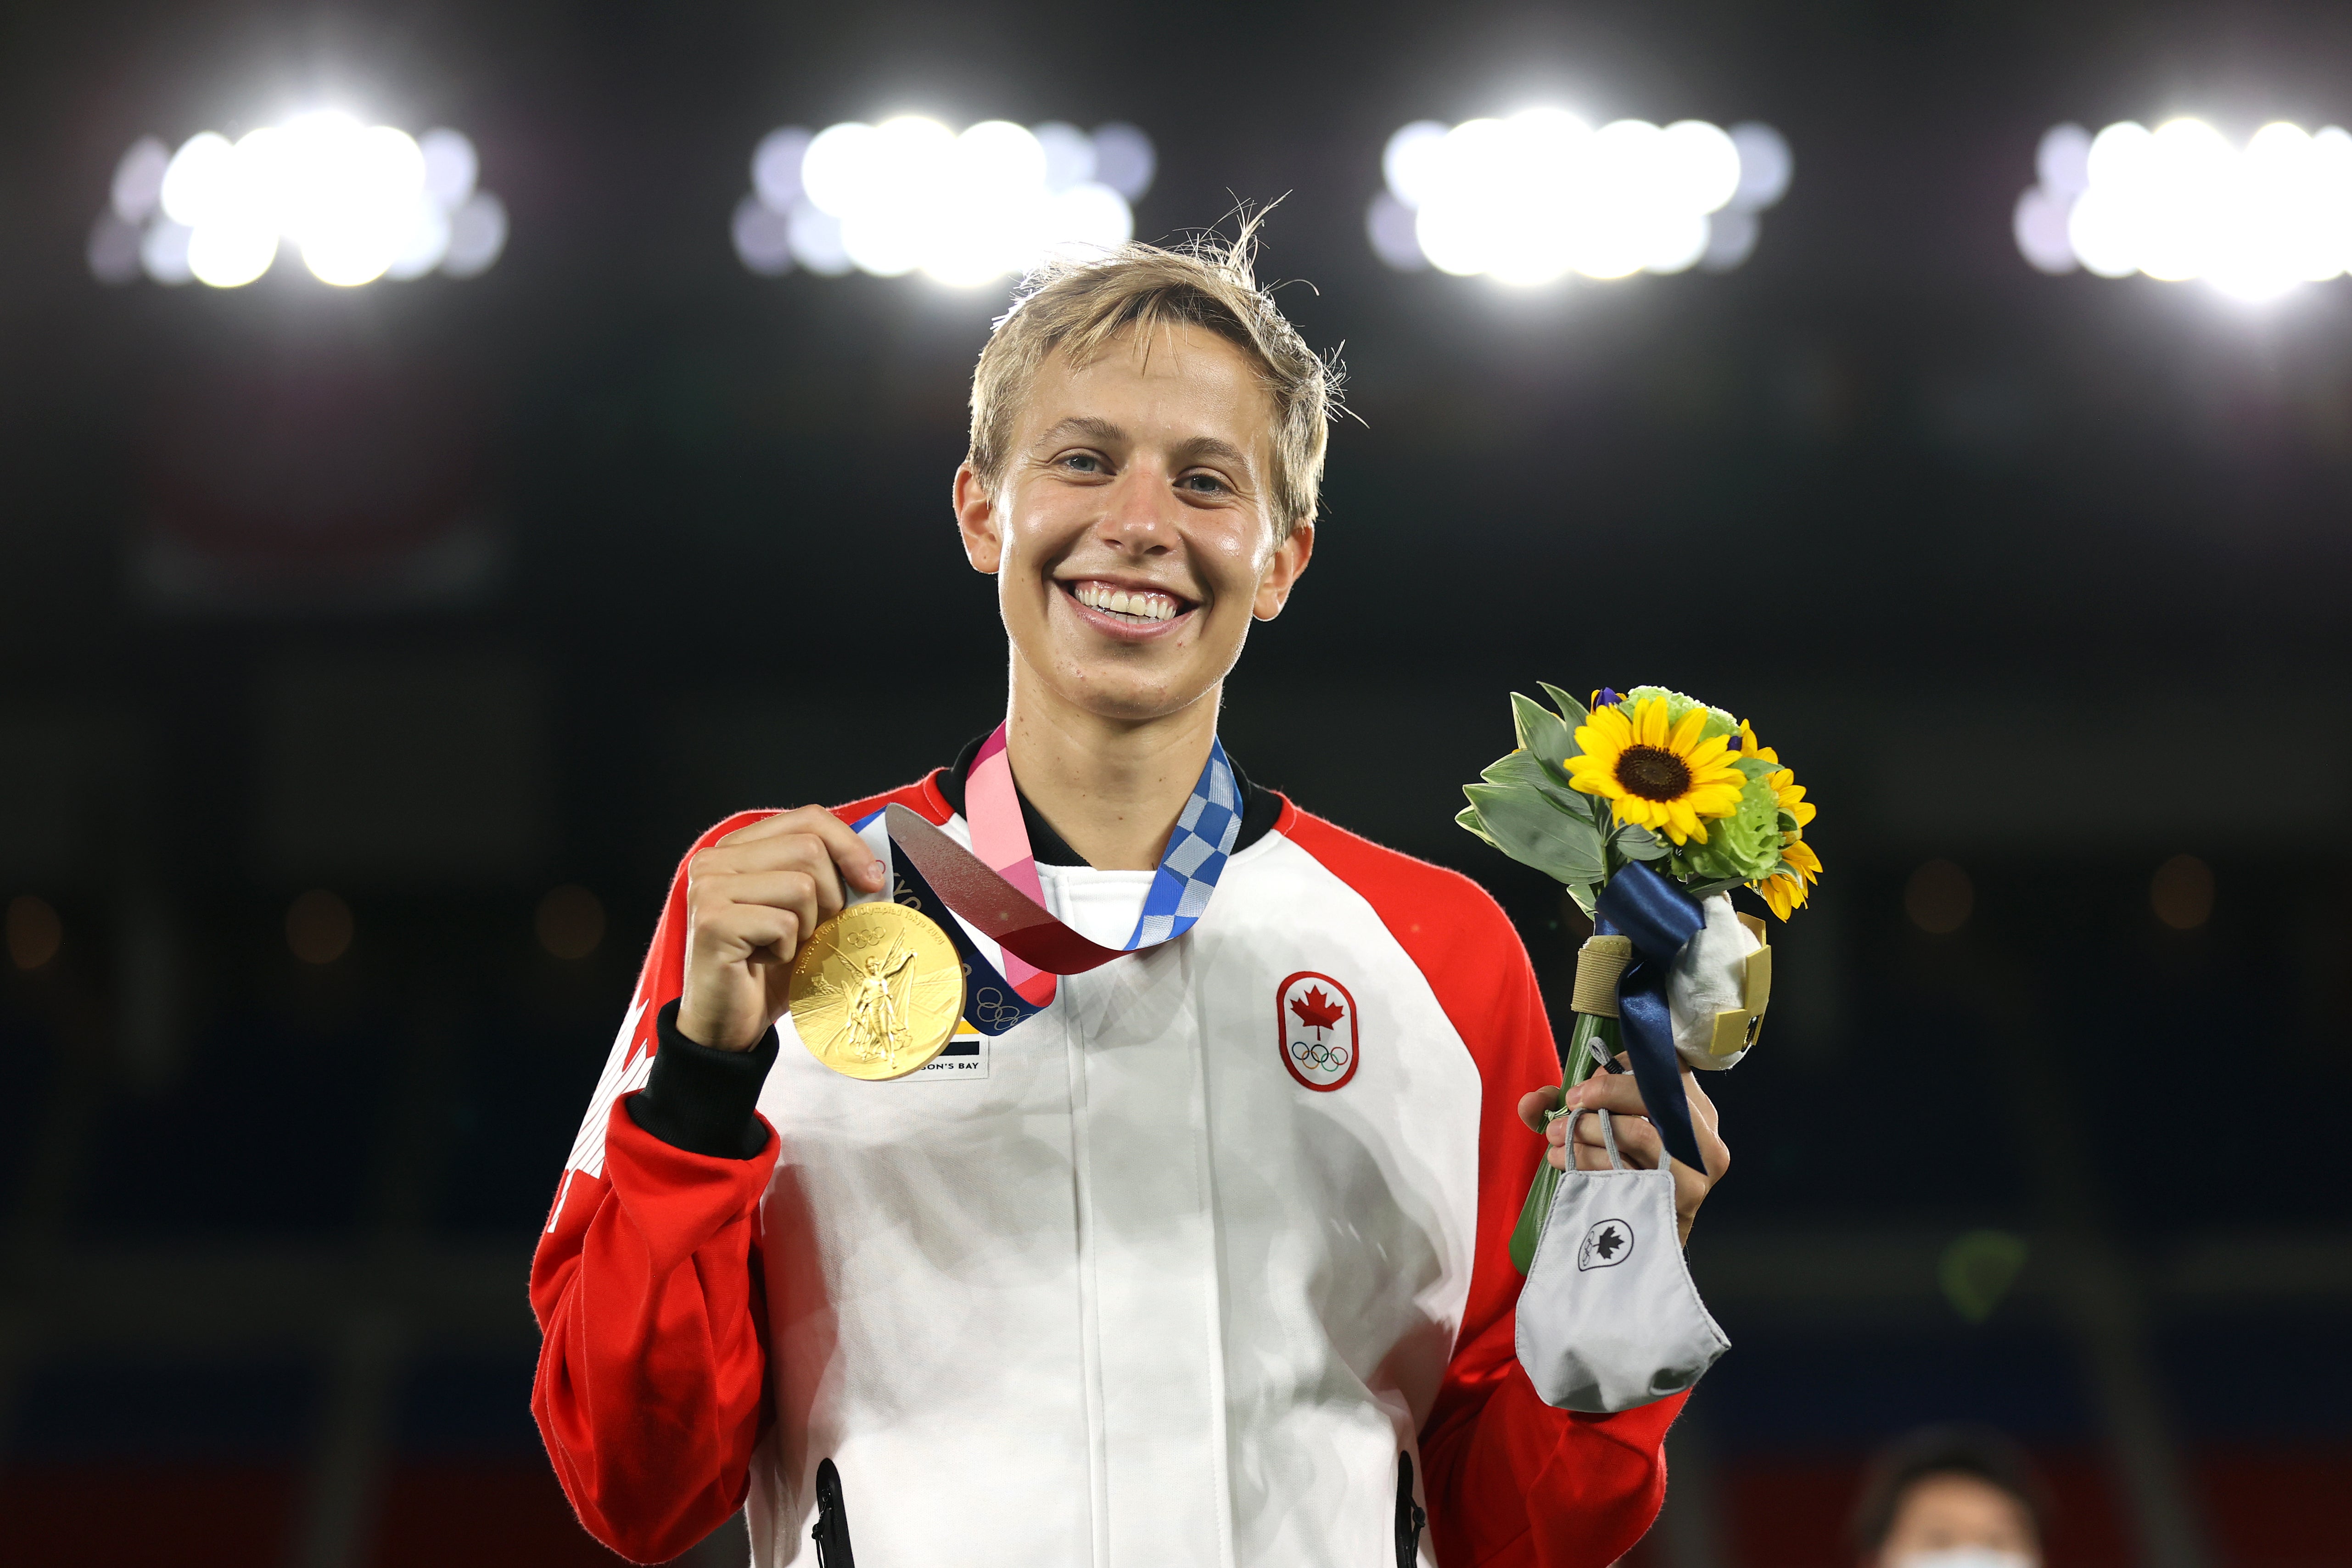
{"x": 1951, "y": 1497}
{"x": 1147, "y": 445}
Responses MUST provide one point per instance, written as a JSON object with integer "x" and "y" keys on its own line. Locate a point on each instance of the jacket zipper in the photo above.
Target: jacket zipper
{"x": 1410, "y": 1516}
{"x": 832, "y": 1531}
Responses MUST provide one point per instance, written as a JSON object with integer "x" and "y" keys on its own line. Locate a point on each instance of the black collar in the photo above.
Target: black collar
{"x": 1260, "y": 808}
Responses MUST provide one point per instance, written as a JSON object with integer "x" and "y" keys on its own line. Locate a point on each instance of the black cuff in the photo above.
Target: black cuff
{"x": 701, "y": 1099}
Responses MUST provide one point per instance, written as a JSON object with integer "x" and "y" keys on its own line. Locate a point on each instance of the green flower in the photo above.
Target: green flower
{"x": 1718, "y": 723}
{"x": 1746, "y": 844}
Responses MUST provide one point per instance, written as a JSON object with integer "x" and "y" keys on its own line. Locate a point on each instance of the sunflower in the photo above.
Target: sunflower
{"x": 1791, "y": 795}
{"x": 1653, "y": 777}
{"x": 1787, "y": 887}
{"x": 1783, "y": 893}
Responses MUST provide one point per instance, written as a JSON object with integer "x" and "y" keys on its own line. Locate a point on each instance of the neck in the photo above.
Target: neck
{"x": 1112, "y": 788}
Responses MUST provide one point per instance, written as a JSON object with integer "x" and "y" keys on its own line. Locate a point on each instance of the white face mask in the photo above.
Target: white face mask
{"x": 1609, "y": 1318}
{"x": 1964, "y": 1557}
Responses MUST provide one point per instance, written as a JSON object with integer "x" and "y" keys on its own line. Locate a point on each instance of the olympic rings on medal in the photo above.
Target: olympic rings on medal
{"x": 1325, "y": 1056}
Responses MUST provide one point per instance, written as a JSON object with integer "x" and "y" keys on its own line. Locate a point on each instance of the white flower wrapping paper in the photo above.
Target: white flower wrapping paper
{"x": 1710, "y": 976}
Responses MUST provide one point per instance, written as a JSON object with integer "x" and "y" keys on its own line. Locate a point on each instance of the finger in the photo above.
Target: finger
{"x": 842, "y": 847}
{"x": 1703, "y": 1108}
{"x": 760, "y": 932}
{"x": 1711, "y": 1146}
{"x": 798, "y": 892}
{"x": 1615, "y": 1092}
{"x": 1637, "y": 1140}
{"x": 1535, "y": 1104}
{"x": 1590, "y": 1158}
{"x": 798, "y": 854}
{"x": 859, "y": 864}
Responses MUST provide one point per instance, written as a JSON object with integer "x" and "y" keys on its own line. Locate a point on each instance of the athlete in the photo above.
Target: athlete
{"x": 1201, "y": 1256}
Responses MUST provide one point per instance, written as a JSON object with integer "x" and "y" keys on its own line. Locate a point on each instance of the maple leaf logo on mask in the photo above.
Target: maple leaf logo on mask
{"x": 1607, "y": 1243}
{"x": 1316, "y": 1010}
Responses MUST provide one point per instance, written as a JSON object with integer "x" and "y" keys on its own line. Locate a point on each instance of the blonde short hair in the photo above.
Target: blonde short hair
{"x": 1080, "y": 306}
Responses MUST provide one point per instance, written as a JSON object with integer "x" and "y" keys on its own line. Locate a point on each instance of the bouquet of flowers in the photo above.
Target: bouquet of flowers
{"x": 1646, "y": 806}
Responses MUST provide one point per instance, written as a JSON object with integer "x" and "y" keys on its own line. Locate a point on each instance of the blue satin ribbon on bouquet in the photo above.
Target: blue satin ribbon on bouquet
{"x": 1661, "y": 919}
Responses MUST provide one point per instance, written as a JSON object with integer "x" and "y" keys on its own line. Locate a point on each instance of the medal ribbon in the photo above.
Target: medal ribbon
{"x": 994, "y": 885}
{"x": 1001, "y": 838}
{"x": 1661, "y": 917}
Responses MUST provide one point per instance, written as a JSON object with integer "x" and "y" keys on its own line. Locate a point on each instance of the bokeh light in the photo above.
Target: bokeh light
{"x": 963, "y": 208}
{"x": 1533, "y": 198}
{"x": 35, "y": 934}
{"x": 569, "y": 922}
{"x": 355, "y": 202}
{"x": 2179, "y": 202}
{"x": 319, "y": 927}
{"x": 1940, "y": 897}
{"x": 2181, "y": 892}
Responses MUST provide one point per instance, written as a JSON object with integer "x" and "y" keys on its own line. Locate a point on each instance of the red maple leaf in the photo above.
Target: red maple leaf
{"x": 1317, "y": 1011}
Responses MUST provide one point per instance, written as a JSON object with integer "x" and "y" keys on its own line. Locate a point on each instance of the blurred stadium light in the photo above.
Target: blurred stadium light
{"x": 909, "y": 194}
{"x": 2179, "y": 202}
{"x": 358, "y": 201}
{"x": 1529, "y": 199}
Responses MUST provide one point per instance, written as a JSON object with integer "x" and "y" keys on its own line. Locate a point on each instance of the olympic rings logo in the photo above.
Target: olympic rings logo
{"x": 1330, "y": 1058}
{"x": 991, "y": 1012}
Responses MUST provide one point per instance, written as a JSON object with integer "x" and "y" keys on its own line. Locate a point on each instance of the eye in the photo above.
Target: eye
{"x": 1207, "y": 484}
{"x": 1082, "y": 463}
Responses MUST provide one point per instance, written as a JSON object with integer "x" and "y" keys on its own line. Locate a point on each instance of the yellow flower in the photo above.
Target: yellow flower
{"x": 1783, "y": 893}
{"x": 1657, "y": 779}
{"x": 1787, "y": 887}
{"x": 1791, "y": 795}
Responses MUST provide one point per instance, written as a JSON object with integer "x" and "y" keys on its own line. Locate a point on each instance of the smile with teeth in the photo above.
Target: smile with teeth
{"x": 1129, "y": 604}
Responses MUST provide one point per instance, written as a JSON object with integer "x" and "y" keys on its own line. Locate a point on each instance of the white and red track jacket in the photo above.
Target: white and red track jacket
{"x": 1145, "y": 1280}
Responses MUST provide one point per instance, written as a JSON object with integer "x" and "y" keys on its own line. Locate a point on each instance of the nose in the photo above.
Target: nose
{"x": 1140, "y": 516}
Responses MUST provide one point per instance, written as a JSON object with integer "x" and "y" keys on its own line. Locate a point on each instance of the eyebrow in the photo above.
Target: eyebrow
{"x": 1100, "y": 430}
{"x": 1212, "y": 446}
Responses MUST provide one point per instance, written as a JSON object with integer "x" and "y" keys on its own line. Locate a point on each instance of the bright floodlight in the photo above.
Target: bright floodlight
{"x": 1532, "y": 198}
{"x": 911, "y": 195}
{"x": 2179, "y": 202}
{"x": 356, "y": 202}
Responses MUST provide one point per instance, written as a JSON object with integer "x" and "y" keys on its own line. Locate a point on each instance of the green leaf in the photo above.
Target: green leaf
{"x": 1543, "y": 733}
{"x": 1517, "y": 768}
{"x": 1533, "y": 831}
{"x": 1523, "y": 770}
{"x": 1720, "y": 885}
{"x": 1586, "y": 899}
{"x": 1635, "y": 842}
{"x": 1573, "y": 712}
{"x": 1468, "y": 817}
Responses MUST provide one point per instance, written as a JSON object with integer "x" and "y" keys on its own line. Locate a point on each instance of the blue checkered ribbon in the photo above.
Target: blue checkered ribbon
{"x": 1195, "y": 856}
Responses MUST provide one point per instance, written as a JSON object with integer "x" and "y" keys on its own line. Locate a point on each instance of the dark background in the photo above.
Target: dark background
{"x": 513, "y": 585}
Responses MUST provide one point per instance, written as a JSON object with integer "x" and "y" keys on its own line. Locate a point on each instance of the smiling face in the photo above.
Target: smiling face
{"x": 1133, "y": 535}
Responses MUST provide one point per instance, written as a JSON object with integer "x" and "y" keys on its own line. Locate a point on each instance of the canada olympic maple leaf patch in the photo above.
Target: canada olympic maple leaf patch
{"x": 1315, "y": 1024}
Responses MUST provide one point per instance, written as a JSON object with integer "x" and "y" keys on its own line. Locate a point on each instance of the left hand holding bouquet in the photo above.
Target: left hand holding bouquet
{"x": 1544, "y": 1111}
{"x": 1649, "y": 807}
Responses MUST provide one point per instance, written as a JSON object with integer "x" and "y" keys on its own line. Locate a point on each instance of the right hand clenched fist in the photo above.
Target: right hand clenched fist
{"x": 751, "y": 899}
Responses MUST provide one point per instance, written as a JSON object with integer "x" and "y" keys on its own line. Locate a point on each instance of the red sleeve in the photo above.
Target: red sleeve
{"x": 652, "y": 1385}
{"x": 1511, "y": 1482}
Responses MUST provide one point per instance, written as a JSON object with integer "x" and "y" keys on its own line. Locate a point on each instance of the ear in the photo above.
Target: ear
{"x": 975, "y": 512}
{"x": 1290, "y": 558}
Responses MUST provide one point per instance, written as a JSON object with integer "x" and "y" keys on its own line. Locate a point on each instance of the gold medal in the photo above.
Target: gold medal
{"x": 876, "y": 991}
